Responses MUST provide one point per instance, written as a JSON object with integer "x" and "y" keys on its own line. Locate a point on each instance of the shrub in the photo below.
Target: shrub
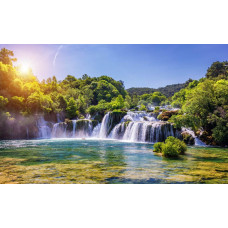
{"x": 158, "y": 147}
{"x": 181, "y": 146}
{"x": 170, "y": 150}
{"x": 142, "y": 108}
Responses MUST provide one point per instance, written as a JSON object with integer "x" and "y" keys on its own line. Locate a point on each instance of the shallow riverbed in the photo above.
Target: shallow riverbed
{"x": 106, "y": 161}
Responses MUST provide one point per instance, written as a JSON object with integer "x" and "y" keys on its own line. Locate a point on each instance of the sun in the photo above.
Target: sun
{"x": 24, "y": 68}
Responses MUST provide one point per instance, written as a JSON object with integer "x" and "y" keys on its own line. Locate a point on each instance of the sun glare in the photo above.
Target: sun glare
{"x": 24, "y": 68}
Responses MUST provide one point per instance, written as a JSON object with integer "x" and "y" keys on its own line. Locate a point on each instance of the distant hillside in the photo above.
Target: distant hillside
{"x": 168, "y": 90}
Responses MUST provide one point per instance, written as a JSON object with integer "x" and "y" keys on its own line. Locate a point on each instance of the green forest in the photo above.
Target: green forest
{"x": 201, "y": 104}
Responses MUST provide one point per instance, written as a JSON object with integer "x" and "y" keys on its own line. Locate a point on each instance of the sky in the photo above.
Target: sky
{"x": 138, "y": 65}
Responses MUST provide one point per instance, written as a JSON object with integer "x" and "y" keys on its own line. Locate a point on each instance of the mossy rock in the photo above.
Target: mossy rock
{"x": 98, "y": 117}
{"x": 115, "y": 118}
{"x": 187, "y": 138}
{"x": 165, "y": 115}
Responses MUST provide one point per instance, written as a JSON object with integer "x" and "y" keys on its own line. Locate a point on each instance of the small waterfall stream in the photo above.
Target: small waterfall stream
{"x": 74, "y": 127}
{"x": 105, "y": 126}
{"x": 43, "y": 127}
{"x": 198, "y": 142}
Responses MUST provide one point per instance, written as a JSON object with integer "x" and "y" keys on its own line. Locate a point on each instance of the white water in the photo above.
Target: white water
{"x": 79, "y": 129}
{"x": 134, "y": 127}
{"x": 74, "y": 127}
{"x": 105, "y": 126}
{"x": 198, "y": 142}
{"x": 44, "y": 128}
{"x": 143, "y": 131}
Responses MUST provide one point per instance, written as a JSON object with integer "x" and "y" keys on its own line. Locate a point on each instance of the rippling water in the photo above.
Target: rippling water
{"x": 106, "y": 161}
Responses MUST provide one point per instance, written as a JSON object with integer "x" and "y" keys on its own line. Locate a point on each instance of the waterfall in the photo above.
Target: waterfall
{"x": 59, "y": 130}
{"x": 132, "y": 127}
{"x": 198, "y": 142}
{"x": 105, "y": 126}
{"x": 43, "y": 127}
{"x": 138, "y": 131}
{"x": 74, "y": 127}
{"x": 96, "y": 131}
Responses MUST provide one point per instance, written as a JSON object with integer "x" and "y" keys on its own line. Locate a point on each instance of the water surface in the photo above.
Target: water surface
{"x": 106, "y": 161}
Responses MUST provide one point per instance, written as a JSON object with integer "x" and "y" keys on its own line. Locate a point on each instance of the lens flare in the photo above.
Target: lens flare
{"x": 24, "y": 68}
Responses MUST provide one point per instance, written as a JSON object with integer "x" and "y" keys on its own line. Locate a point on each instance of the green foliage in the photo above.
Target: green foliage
{"x": 172, "y": 147}
{"x": 6, "y": 56}
{"x": 169, "y": 150}
{"x": 117, "y": 103}
{"x": 205, "y": 104}
{"x": 62, "y": 102}
{"x": 218, "y": 70}
{"x": 71, "y": 108}
{"x": 3, "y": 102}
{"x": 180, "y": 145}
{"x": 154, "y": 98}
{"x": 158, "y": 147}
{"x": 142, "y": 108}
{"x": 16, "y": 103}
{"x": 168, "y": 90}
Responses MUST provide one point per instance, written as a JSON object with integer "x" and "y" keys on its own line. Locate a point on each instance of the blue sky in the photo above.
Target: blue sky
{"x": 137, "y": 65}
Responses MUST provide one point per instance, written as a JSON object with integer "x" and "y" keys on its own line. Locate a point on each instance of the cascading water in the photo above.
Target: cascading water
{"x": 139, "y": 116}
{"x": 44, "y": 128}
{"x": 198, "y": 142}
{"x": 74, "y": 127}
{"x": 144, "y": 131}
{"x": 105, "y": 126}
{"x": 133, "y": 127}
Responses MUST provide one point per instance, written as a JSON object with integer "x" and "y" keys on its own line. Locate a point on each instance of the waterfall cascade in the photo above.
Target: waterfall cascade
{"x": 130, "y": 126}
{"x": 44, "y": 128}
{"x": 143, "y": 127}
{"x": 198, "y": 142}
{"x": 105, "y": 126}
{"x": 73, "y": 129}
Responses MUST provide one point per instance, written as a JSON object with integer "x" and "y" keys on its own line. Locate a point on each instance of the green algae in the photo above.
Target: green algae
{"x": 93, "y": 161}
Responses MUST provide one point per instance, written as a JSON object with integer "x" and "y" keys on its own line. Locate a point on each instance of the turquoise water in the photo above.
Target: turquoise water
{"x": 106, "y": 161}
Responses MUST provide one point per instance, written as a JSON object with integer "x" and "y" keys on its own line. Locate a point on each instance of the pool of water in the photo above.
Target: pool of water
{"x": 58, "y": 161}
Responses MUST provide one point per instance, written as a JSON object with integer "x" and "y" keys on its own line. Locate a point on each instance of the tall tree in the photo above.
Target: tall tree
{"x": 6, "y": 56}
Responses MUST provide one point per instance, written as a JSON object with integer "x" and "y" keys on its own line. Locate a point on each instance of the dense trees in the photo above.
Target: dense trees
{"x": 6, "y": 56}
{"x": 205, "y": 105}
{"x": 218, "y": 70}
{"x": 168, "y": 90}
{"x": 23, "y": 93}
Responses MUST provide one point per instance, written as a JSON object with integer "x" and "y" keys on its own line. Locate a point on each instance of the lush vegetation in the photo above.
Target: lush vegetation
{"x": 204, "y": 105}
{"x": 172, "y": 147}
{"x": 23, "y": 93}
{"x": 168, "y": 90}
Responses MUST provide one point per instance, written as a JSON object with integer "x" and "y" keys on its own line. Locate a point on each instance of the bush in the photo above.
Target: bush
{"x": 171, "y": 148}
{"x": 181, "y": 146}
{"x": 142, "y": 108}
{"x": 158, "y": 147}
